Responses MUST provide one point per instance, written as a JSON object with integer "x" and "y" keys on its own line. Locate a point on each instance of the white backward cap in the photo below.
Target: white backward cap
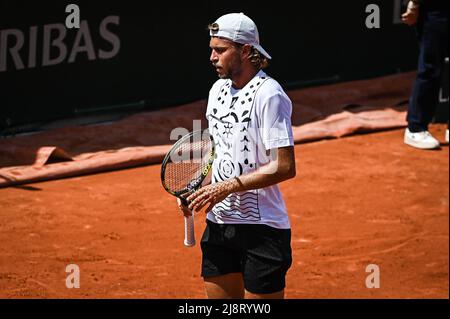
{"x": 238, "y": 28}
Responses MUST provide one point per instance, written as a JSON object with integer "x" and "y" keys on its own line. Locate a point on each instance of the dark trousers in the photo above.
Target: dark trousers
{"x": 432, "y": 31}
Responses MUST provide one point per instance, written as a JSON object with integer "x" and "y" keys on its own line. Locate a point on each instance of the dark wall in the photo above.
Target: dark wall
{"x": 163, "y": 58}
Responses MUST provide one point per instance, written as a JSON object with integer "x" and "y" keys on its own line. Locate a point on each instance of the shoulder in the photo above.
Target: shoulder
{"x": 272, "y": 85}
{"x": 216, "y": 86}
{"x": 214, "y": 93}
{"x": 271, "y": 90}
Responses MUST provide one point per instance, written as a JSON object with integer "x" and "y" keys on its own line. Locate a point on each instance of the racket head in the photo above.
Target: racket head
{"x": 188, "y": 163}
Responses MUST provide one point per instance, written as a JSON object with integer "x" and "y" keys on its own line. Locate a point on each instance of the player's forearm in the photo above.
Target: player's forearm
{"x": 267, "y": 175}
{"x": 279, "y": 169}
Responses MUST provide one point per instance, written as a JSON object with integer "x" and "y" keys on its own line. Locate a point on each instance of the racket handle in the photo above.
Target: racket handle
{"x": 189, "y": 235}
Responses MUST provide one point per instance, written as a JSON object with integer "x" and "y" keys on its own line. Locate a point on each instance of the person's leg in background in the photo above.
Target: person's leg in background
{"x": 432, "y": 31}
{"x": 446, "y": 133}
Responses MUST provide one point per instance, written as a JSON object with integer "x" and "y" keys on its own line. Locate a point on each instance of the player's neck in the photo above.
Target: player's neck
{"x": 244, "y": 77}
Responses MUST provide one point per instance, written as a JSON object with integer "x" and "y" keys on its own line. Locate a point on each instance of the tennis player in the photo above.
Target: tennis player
{"x": 246, "y": 244}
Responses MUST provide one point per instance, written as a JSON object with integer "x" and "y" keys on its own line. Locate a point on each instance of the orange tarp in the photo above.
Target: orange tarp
{"x": 329, "y": 111}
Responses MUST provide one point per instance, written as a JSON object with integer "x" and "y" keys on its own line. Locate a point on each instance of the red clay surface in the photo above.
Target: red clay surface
{"x": 360, "y": 200}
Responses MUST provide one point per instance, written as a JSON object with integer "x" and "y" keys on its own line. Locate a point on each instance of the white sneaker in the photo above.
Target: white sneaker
{"x": 446, "y": 135}
{"x": 423, "y": 140}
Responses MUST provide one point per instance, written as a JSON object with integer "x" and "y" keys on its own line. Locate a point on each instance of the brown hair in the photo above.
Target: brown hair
{"x": 258, "y": 60}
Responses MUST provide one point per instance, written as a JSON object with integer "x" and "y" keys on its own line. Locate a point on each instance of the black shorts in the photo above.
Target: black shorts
{"x": 260, "y": 252}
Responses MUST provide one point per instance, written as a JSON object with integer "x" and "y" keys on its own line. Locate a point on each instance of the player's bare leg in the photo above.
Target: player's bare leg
{"x": 275, "y": 295}
{"x": 229, "y": 286}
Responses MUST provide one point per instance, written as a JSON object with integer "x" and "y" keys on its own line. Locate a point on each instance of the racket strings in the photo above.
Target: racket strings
{"x": 188, "y": 161}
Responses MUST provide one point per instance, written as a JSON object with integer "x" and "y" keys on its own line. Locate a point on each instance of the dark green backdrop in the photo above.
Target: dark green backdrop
{"x": 164, "y": 55}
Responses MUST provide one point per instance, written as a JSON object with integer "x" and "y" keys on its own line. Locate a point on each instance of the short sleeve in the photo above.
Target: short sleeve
{"x": 275, "y": 122}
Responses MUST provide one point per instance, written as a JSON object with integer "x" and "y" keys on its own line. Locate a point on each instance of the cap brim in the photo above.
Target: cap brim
{"x": 262, "y": 51}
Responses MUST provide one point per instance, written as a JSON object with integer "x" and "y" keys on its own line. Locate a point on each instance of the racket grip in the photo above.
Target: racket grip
{"x": 189, "y": 235}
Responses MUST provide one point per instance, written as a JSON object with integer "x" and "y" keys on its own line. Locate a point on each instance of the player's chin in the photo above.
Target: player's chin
{"x": 221, "y": 74}
{"x": 224, "y": 76}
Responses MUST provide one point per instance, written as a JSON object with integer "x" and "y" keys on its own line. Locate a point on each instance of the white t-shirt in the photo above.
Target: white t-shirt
{"x": 246, "y": 124}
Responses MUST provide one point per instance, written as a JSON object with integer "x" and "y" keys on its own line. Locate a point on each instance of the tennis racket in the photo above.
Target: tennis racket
{"x": 184, "y": 168}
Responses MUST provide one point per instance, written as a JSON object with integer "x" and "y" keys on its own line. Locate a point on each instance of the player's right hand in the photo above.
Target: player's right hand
{"x": 411, "y": 15}
{"x": 184, "y": 209}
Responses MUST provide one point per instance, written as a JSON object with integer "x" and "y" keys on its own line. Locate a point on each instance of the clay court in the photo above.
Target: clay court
{"x": 359, "y": 200}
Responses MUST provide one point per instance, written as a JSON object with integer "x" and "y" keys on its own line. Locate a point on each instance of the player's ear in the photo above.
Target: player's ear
{"x": 246, "y": 51}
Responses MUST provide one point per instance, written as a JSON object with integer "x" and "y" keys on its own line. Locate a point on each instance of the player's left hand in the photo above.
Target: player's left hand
{"x": 210, "y": 194}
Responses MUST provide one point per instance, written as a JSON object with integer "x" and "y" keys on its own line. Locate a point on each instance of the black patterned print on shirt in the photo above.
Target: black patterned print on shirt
{"x": 229, "y": 114}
